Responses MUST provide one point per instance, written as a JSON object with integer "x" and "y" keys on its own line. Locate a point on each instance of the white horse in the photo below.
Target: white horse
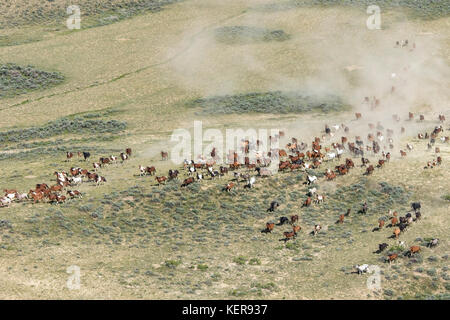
{"x": 251, "y": 182}
{"x": 362, "y": 268}
{"x": 5, "y": 201}
{"x": 312, "y": 191}
{"x": 311, "y": 179}
{"x": 21, "y": 196}
{"x": 77, "y": 180}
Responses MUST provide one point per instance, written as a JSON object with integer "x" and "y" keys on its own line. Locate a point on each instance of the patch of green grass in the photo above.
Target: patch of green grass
{"x": 254, "y": 262}
{"x": 238, "y": 292}
{"x": 241, "y": 260}
{"x": 202, "y": 267}
{"x": 172, "y": 264}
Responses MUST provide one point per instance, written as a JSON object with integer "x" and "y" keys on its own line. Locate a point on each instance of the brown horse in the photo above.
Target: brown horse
{"x": 392, "y": 257}
{"x": 161, "y": 179}
{"x": 187, "y": 182}
{"x": 307, "y": 202}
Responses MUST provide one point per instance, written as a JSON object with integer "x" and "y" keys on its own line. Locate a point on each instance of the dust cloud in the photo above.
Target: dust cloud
{"x": 330, "y": 51}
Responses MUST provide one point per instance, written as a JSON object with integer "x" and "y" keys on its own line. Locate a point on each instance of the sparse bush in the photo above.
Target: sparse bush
{"x": 202, "y": 267}
{"x": 238, "y": 293}
{"x": 266, "y": 286}
{"x": 254, "y": 262}
{"x": 240, "y": 260}
{"x": 388, "y": 292}
{"x": 431, "y": 272}
{"x": 172, "y": 264}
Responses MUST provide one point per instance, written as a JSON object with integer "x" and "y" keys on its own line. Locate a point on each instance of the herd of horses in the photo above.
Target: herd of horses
{"x": 243, "y": 167}
{"x": 296, "y": 157}
{"x": 400, "y": 224}
{"x": 60, "y": 192}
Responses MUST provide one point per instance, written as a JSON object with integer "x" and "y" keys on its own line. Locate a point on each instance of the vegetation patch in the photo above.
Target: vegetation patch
{"x": 275, "y": 102}
{"x": 202, "y": 267}
{"x": 246, "y": 34}
{"x": 172, "y": 264}
{"x": 379, "y": 199}
{"x": 16, "y": 80}
{"x": 102, "y": 12}
{"x": 240, "y": 260}
{"x": 66, "y": 125}
{"x": 416, "y": 9}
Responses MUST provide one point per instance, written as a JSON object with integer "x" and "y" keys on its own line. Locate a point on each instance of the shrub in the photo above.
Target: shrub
{"x": 51, "y": 11}
{"x": 413, "y": 8}
{"x": 246, "y": 34}
{"x": 15, "y": 79}
{"x": 202, "y": 267}
{"x": 172, "y": 264}
{"x": 254, "y": 261}
{"x": 274, "y": 102}
{"x": 240, "y": 260}
{"x": 431, "y": 272}
{"x": 78, "y": 125}
{"x": 238, "y": 292}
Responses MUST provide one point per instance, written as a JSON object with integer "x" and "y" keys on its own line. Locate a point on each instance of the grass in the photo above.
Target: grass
{"x": 202, "y": 267}
{"x": 172, "y": 264}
